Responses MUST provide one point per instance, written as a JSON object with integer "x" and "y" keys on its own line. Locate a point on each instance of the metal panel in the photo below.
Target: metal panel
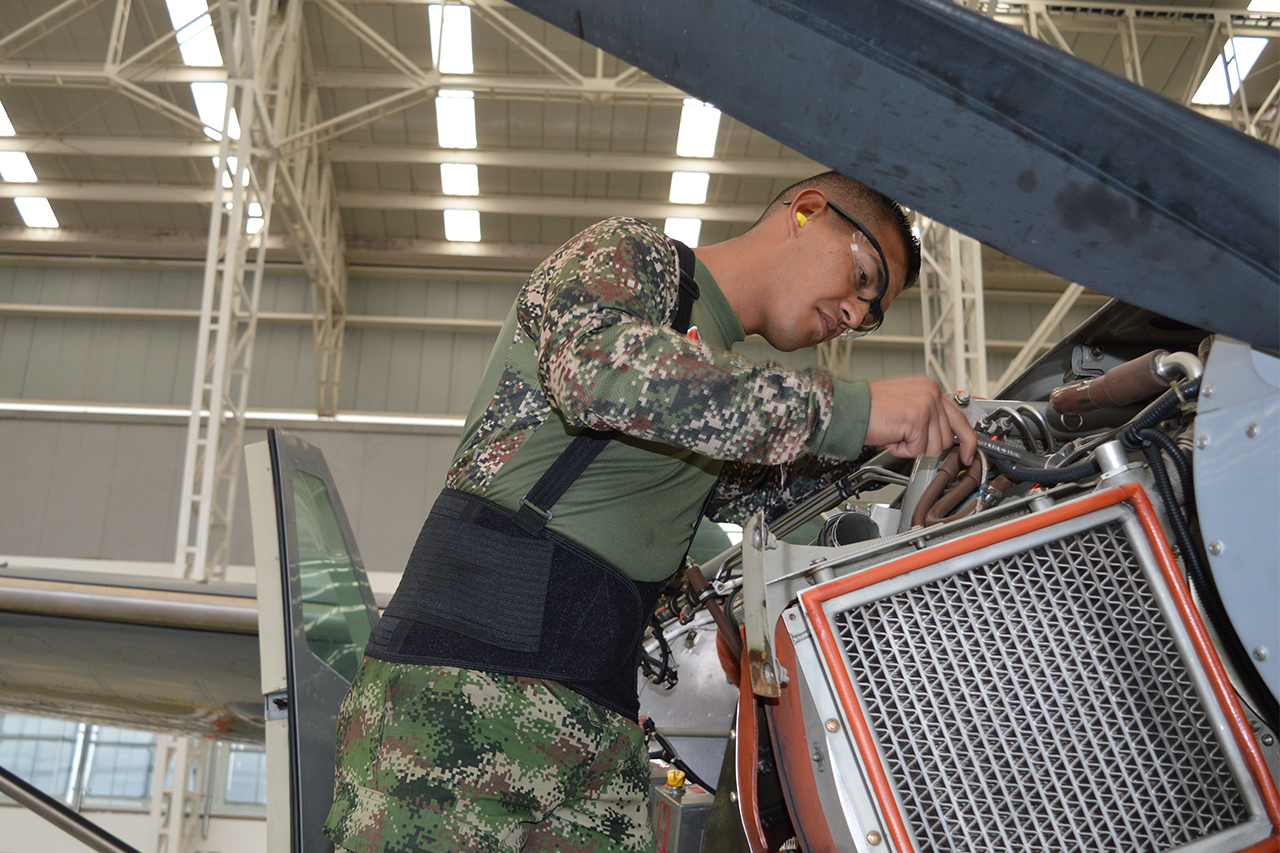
{"x": 1005, "y": 139}
{"x": 328, "y": 614}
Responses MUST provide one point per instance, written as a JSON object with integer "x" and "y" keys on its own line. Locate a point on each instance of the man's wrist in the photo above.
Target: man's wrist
{"x": 846, "y": 432}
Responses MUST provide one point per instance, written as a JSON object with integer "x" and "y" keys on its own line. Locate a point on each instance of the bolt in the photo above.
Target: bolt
{"x": 1268, "y": 740}
{"x": 833, "y": 725}
{"x": 961, "y": 398}
{"x": 873, "y": 838}
{"x": 733, "y": 796}
{"x": 1215, "y": 547}
{"x": 1251, "y": 430}
{"x": 1207, "y": 391}
{"x": 817, "y": 755}
{"x": 766, "y": 673}
{"x": 1202, "y": 441}
{"x": 1260, "y": 653}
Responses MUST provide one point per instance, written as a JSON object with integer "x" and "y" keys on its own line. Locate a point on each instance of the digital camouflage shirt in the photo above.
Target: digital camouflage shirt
{"x": 587, "y": 345}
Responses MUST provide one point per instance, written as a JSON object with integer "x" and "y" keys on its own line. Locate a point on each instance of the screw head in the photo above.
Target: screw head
{"x": 873, "y": 838}
{"x": 1251, "y": 430}
{"x": 833, "y": 725}
{"x": 1215, "y": 547}
{"x": 1268, "y": 739}
{"x": 1202, "y": 441}
{"x": 1260, "y": 653}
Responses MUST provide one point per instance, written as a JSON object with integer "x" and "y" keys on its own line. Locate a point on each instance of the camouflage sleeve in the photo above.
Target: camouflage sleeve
{"x": 744, "y": 489}
{"x": 606, "y": 359}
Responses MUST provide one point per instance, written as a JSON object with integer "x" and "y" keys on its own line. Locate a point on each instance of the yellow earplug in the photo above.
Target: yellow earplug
{"x": 801, "y": 219}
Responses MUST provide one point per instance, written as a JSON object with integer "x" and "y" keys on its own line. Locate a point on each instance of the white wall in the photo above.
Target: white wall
{"x": 21, "y": 831}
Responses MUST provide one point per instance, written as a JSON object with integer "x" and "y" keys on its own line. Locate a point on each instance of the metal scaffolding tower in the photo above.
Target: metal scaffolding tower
{"x": 952, "y": 308}
{"x": 272, "y": 101}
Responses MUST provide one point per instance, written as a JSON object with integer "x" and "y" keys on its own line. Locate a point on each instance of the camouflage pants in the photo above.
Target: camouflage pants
{"x": 437, "y": 758}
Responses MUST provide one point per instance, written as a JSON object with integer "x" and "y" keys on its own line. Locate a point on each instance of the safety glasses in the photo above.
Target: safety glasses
{"x": 872, "y": 272}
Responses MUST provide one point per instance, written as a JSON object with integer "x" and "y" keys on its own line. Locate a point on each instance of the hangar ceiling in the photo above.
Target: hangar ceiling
{"x": 101, "y": 101}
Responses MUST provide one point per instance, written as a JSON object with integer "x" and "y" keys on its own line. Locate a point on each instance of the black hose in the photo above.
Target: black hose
{"x": 672, "y": 757}
{"x": 1044, "y": 476}
{"x": 1202, "y": 581}
{"x": 1163, "y": 406}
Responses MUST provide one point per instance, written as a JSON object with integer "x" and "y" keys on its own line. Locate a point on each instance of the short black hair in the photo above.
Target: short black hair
{"x": 872, "y": 207}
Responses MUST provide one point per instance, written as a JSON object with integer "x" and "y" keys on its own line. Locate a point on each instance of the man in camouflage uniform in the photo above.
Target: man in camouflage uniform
{"x": 447, "y": 758}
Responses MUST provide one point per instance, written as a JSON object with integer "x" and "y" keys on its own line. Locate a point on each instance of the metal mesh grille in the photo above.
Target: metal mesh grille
{"x": 1039, "y": 703}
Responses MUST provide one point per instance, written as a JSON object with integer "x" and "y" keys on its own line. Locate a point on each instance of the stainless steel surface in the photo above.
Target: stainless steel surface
{"x": 189, "y": 611}
{"x": 1237, "y": 493}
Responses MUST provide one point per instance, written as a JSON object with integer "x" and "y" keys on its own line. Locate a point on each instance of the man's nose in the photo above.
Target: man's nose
{"x": 851, "y": 313}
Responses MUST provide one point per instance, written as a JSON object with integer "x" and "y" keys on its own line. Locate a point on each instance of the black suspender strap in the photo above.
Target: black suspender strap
{"x": 535, "y": 507}
{"x": 688, "y": 288}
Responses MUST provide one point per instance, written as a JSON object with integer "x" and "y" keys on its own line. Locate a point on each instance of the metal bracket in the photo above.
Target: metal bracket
{"x": 276, "y": 705}
{"x": 756, "y": 539}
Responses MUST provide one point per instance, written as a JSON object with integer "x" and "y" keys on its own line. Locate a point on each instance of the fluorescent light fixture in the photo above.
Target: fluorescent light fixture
{"x": 211, "y": 105}
{"x": 462, "y": 226}
{"x": 689, "y": 187}
{"x": 6, "y": 126}
{"x": 699, "y": 124}
{"x": 686, "y": 231}
{"x": 455, "y": 421}
{"x": 16, "y": 168}
{"x": 451, "y": 38}
{"x": 36, "y": 212}
{"x": 197, "y": 42}
{"x": 456, "y": 118}
{"x": 460, "y": 179}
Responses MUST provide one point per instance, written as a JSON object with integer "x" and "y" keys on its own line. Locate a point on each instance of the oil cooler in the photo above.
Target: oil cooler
{"x": 1044, "y": 684}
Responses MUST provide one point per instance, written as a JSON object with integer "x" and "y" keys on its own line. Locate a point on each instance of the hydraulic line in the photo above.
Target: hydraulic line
{"x": 1045, "y": 476}
{"x": 1153, "y": 441}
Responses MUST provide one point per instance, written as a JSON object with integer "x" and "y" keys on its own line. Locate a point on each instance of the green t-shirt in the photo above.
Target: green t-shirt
{"x": 587, "y": 345}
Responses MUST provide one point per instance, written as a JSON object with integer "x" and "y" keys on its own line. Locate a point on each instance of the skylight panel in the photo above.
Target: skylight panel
{"x": 1239, "y": 56}
{"x": 689, "y": 187}
{"x": 16, "y": 168}
{"x": 462, "y": 226}
{"x": 686, "y": 231}
{"x": 197, "y": 41}
{"x": 699, "y": 125}
{"x": 460, "y": 178}
{"x": 211, "y": 105}
{"x": 36, "y": 212}
{"x": 6, "y": 126}
{"x": 451, "y": 38}
{"x": 456, "y": 118}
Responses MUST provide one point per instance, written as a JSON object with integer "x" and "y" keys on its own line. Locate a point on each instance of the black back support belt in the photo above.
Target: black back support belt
{"x": 492, "y": 589}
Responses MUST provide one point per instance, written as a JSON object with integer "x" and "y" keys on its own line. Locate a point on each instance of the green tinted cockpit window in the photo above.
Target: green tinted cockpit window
{"x": 334, "y": 616}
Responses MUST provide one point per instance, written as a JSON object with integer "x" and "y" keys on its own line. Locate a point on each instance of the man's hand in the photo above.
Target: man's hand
{"x": 911, "y": 416}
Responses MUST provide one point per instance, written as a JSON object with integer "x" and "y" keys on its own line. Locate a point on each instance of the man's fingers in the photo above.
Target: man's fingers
{"x": 911, "y": 416}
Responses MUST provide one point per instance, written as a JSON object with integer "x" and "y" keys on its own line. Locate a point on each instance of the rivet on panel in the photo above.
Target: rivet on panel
{"x": 1251, "y": 430}
{"x": 1268, "y": 740}
{"x": 833, "y": 725}
{"x": 1215, "y": 547}
{"x": 1260, "y": 653}
{"x": 873, "y": 838}
{"x": 1207, "y": 391}
{"x": 1202, "y": 441}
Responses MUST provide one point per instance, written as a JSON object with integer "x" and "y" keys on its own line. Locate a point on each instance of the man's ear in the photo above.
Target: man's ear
{"x": 804, "y": 207}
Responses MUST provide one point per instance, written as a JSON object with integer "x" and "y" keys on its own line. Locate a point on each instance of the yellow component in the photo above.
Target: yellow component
{"x": 800, "y": 217}
{"x": 675, "y": 778}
